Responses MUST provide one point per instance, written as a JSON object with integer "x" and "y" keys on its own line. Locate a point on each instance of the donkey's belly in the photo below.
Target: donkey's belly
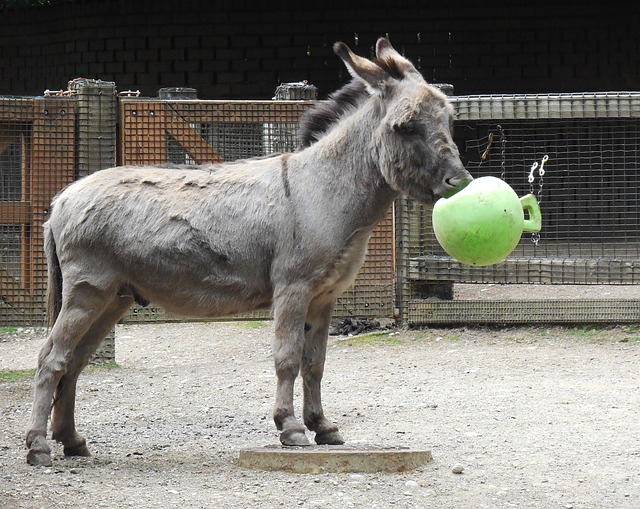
{"x": 214, "y": 288}
{"x": 203, "y": 299}
{"x": 214, "y": 306}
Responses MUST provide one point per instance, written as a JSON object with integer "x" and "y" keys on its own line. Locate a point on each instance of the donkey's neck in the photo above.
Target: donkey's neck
{"x": 341, "y": 171}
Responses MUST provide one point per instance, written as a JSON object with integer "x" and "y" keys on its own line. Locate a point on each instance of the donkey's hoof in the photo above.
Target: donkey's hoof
{"x": 329, "y": 438}
{"x": 39, "y": 458}
{"x": 294, "y": 438}
{"x": 39, "y": 453}
{"x": 77, "y": 450}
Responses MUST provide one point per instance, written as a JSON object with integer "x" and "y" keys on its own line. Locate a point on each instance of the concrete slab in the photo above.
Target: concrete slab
{"x": 322, "y": 458}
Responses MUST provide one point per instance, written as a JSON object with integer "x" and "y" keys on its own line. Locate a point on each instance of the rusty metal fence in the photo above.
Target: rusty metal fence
{"x": 37, "y": 158}
{"x": 47, "y": 142}
{"x": 589, "y": 196}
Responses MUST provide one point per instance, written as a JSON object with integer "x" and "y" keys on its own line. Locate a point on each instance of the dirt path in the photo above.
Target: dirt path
{"x": 539, "y": 418}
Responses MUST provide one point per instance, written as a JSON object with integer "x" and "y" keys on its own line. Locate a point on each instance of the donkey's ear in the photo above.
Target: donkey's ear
{"x": 370, "y": 74}
{"x": 389, "y": 57}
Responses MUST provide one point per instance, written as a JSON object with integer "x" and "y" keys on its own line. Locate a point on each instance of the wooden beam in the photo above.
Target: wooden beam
{"x": 143, "y": 134}
{"x": 190, "y": 141}
{"x": 16, "y": 109}
{"x": 12, "y": 292}
{"x": 15, "y": 212}
{"x": 239, "y": 111}
{"x": 224, "y": 111}
{"x": 52, "y": 157}
{"x": 9, "y": 134}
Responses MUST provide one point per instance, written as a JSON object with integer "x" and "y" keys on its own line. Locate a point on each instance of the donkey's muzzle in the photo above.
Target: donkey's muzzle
{"x": 452, "y": 185}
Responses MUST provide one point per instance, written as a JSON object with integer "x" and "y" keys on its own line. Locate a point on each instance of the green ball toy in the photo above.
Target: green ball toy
{"x": 482, "y": 224}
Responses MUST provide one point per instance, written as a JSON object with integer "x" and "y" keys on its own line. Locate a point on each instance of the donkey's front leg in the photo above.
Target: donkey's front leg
{"x": 313, "y": 359}
{"x": 289, "y": 313}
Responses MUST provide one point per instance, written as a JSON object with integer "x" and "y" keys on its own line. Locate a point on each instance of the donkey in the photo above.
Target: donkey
{"x": 286, "y": 232}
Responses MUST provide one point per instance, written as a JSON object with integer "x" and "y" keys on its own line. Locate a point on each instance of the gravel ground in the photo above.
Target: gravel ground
{"x": 537, "y": 417}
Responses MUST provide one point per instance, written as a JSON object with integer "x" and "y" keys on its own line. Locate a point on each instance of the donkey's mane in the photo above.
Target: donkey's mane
{"x": 316, "y": 121}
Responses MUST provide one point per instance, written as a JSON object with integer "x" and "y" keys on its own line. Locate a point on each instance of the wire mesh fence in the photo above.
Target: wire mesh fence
{"x": 37, "y": 157}
{"x": 589, "y": 195}
{"x": 587, "y": 145}
{"x": 45, "y": 143}
{"x": 186, "y": 132}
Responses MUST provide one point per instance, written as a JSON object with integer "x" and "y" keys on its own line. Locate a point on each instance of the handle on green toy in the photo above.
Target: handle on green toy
{"x": 530, "y": 205}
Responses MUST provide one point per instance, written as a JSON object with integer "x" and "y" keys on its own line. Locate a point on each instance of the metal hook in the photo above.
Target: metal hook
{"x": 485, "y": 154}
{"x": 541, "y": 170}
{"x": 531, "y": 177}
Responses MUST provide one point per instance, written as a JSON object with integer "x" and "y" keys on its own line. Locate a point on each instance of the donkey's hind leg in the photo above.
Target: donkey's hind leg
{"x": 77, "y": 314}
{"x": 63, "y": 418}
{"x": 313, "y": 359}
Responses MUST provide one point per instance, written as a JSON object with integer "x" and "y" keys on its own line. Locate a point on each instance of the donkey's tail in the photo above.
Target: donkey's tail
{"x": 54, "y": 284}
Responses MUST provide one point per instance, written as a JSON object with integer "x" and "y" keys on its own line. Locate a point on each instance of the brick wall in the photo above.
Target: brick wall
{"x": 245, "y": 48}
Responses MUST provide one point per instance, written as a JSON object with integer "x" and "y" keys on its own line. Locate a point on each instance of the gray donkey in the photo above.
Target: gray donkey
{"x": 287, "y": 232}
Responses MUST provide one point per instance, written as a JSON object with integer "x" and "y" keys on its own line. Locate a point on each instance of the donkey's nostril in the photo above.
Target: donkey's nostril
{"x": 456, "y": 184}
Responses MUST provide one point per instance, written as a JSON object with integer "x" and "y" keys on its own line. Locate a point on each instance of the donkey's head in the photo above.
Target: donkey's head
{"x": 415, "y": 149}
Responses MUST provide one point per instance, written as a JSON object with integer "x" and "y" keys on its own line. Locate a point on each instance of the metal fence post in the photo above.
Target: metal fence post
{"x": 298, "y": 91}
{"x": 96, "y": 150}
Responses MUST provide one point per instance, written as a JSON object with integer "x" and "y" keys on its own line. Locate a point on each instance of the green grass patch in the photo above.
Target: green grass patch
{"x": 255, "y": 324}
{"x": 104, "y": 365}
{"x": 536, "y": 331}
{"x": 373, "y": 338}
{"x": 17, "y": 375}
{"x": 632, "y": 327}
{"x": 8, "y": 330}
{"x": 586, "y": 331}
